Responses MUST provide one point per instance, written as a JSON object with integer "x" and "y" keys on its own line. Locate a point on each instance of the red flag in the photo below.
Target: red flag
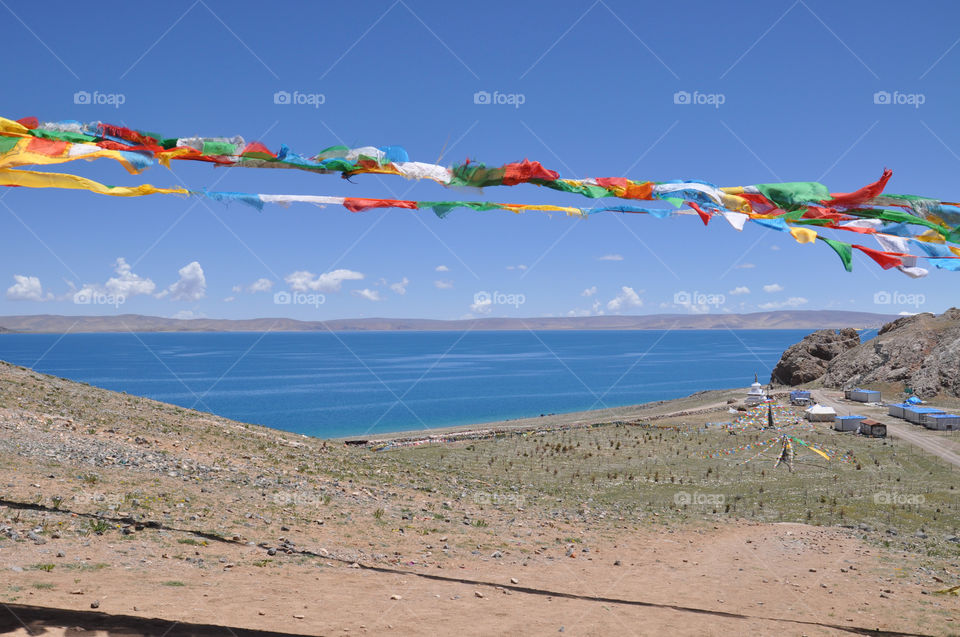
{"x": 885, "y": 260}
{"x": 521, "y": 172}
{"x": 705, "y": 217}
{"x": 851, "y": 199}
{"x": 354, "y": 204}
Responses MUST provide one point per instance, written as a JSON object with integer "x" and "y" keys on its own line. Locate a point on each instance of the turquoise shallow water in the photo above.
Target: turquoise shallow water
{"x": 360, "y": 383}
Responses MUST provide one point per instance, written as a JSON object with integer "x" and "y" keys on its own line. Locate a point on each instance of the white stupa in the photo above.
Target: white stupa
{"x": 757, "y": 394}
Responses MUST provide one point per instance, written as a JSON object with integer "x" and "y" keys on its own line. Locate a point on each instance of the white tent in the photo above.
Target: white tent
{"x": 820, "y": 413}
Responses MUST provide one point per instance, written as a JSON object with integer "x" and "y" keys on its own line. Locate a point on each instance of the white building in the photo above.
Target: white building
{"x": 820, "y": 413}
{"x": 757, "y": 393}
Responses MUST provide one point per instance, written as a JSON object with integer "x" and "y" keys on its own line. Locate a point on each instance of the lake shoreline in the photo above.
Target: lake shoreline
{"x": 699, "y": 402}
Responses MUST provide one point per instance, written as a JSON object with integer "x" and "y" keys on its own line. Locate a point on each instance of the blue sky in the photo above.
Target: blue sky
{"x": 597, "y": 80}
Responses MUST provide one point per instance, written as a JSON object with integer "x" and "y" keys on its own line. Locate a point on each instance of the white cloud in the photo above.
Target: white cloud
{"x": 443, "y": 285}
{"x": 773, "y": 287}
{"x": 590, "y": 291}
{"x": 400, "y": 287}
{"x": 593, "y": 311}
{"x": 744, "y": 266}
{"x": 627, "y": 298}
{"x": 740, "y": 289}
{"x": 126, "y": 283}
{"x": 442, "y": 268}
{"x": 793, "y": 301}
{"x": 237, "y": 289}
{"x": 230, "y": 299}
{"x": 520, "y": 267}
{"x": 774, "y": 247}
{"x": 185, "y": 315}
{"x": 262, "y": 284}
{"x": 367, "y": 293}
{"x": 482, "y": 304}
{"x": 191, "y": 286}
{"x": 304, "y": 281}
{"x": 610, "y": 257}
{"x": 27, "y": 288}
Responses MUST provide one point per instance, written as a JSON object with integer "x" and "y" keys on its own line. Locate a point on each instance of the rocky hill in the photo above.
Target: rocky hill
{"x": 807, "y": 360}
{"x": 921, "y": 352}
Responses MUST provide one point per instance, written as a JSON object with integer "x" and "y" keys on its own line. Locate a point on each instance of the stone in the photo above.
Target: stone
{"x": 807, "y": 360}
{"x": 95, "y": 603}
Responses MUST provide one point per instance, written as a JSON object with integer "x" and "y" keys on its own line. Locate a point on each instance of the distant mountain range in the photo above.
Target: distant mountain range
{"x": 787, "y": 319}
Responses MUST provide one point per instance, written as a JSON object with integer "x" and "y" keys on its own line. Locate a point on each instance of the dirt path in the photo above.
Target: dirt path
{"x": 918, "y": 436}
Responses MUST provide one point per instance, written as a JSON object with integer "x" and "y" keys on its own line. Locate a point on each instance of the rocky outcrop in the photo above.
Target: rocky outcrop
{"x": 921, "y": 351}
{"x": 807, "y": 360}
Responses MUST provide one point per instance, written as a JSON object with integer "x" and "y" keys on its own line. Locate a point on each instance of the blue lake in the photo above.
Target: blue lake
{"x": 362, "y": 383}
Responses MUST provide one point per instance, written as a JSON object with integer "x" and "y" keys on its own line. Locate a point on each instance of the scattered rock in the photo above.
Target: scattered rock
{"x": 396, "y": 598}
{"x": 95, "y": 603}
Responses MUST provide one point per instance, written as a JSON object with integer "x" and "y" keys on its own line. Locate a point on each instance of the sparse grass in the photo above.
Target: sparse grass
{"x": 43, "y": 586}
{"x": 636, "y": 471}
{"x": 99, "y": 527}
{"x": 46, "y": 568}
{"x": 192, "y": 542}
{"x": 174, "y": 583}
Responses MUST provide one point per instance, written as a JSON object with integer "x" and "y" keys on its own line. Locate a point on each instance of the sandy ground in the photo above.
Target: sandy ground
{"x": 780, "y": 579}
